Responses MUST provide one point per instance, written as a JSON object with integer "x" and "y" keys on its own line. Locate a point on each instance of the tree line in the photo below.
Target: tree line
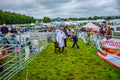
{"x": 47, "y": 19}
{"x": 92, "y": 18}
{"x": 14, "y": 18}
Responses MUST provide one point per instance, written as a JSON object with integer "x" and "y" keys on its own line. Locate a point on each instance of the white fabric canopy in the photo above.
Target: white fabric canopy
{"x": 91, "y": 25}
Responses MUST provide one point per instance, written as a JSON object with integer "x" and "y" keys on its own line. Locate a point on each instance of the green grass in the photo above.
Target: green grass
{"x": 117, "y": 36}
{"x": 73, "y": 64}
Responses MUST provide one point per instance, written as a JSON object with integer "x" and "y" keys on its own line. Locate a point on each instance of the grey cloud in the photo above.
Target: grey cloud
{"x": 118, "y": 5}
{"x": 52, "y": 3}
{"x": 62, "y": 8}
{"x": 16, "y": 5}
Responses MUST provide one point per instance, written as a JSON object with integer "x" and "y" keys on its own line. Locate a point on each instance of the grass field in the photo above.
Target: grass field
{"x": 72, "y": 64}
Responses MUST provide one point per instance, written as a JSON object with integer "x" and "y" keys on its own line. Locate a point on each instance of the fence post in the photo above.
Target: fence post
{"x": 20, "y": 54}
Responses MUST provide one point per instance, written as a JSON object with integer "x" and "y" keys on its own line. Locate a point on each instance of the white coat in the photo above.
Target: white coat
{"x": 60, "y": 38}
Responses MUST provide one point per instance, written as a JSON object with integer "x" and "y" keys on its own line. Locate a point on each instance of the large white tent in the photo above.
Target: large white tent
{"x": 91, "y": 25}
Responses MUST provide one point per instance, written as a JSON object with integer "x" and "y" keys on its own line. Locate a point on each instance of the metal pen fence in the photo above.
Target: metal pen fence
{"x": 15, "y": 57}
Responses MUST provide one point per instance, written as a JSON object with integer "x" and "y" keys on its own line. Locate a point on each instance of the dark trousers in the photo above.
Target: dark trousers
{"x": 62, "y": 49}
{"x": 75, "y": 43}
{"x": 1, "y": 69}
{"x": 1, "y": 63}
{"x": 65, "y": 41}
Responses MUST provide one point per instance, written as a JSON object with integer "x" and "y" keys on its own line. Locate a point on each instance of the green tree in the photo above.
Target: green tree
{"x": 95, "y": 18}
{"x": 109, "y": 18}
{"x": 46, "y": 19}
{"x": 14, "y": 18}
{"x": 89, "y": 18}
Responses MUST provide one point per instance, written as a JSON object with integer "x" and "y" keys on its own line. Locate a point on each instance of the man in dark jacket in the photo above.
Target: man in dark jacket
{"x": 67, "y": 35}
{"x": 4, "y": 30}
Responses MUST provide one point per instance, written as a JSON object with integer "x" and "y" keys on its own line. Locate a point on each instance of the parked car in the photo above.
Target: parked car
{"x": 28, "y": 29}
{"x": 116, "y": 29}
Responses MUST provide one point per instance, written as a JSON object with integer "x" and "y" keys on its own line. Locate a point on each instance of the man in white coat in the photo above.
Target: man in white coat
{"x": 60, "y": 39}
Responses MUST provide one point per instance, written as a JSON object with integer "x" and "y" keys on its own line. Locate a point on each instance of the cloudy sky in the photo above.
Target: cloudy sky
{"x": 62, "y": 8}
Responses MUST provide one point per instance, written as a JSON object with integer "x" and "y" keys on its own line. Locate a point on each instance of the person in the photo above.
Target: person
{"x": 102, "y": 31}
{"x": 15, "y": 31}
{"x": 60, "y": 39}
{"x": 88, "y": 34}
{"x": 108, "y": 33}
{"x": 10, "y": 29}
{"x": 65, "y": 30}
{"x": 75, "y": 40}
{"x": 49, "y": 38}
{"x": 1, "y": 58}
{"x": 4, "y": 30}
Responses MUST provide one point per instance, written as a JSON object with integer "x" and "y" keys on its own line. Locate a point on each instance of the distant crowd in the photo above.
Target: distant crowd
{"x": 13, "y": 30}
{"x": 5, "y": 30}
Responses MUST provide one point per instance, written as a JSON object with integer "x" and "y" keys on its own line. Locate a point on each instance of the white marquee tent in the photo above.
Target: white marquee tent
{"x": 91, "y": 25}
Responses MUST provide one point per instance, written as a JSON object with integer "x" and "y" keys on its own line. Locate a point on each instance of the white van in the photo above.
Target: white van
{"x": 116, "y": 29}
